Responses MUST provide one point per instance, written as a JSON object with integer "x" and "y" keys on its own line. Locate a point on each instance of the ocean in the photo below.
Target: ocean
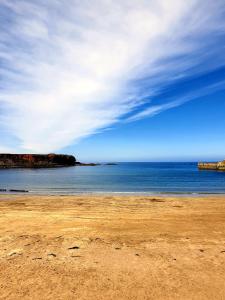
{"x": 140, "y": 178}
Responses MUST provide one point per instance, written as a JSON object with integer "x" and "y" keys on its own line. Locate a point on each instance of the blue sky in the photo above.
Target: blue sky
{"x": 191, "y": 132}
{"x": 113, "y": 80}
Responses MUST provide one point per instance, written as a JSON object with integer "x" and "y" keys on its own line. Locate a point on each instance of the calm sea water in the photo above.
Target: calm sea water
{"x": 122, "y": 178}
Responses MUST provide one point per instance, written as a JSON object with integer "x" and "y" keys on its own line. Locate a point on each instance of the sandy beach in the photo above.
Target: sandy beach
{"x": 112, "y": 247}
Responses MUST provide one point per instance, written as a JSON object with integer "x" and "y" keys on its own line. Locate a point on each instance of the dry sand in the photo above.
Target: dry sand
{"x": 105, "y": 247}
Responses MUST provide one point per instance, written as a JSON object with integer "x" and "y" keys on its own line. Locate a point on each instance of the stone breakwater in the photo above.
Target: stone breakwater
{"x": 36, "y": 160}
{"x": 220, "y": 166}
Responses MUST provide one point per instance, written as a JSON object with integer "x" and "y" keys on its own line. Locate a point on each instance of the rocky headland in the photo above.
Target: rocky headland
{"x": 220, "y": 166}
{"x": 36, "y": 160}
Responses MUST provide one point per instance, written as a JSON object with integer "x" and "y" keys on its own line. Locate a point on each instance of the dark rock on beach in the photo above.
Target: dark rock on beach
{"x": 18, "y": 191}
{"x": 13, "y": 191}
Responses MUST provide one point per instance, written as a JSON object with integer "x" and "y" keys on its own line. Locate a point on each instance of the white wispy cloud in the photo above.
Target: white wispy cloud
{"x": 70, "y": 68}
{"x": 176, "y": 101}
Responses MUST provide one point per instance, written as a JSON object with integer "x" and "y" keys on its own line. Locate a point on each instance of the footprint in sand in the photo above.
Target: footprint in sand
{"x": 15, "y": 252}
{"x": 74, "y": 248}
{"x": 52, "y": 254}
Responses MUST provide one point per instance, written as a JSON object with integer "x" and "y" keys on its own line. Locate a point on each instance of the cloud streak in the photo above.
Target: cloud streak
{"x": 71, "y": 68}
{"x": 174, "y": 102}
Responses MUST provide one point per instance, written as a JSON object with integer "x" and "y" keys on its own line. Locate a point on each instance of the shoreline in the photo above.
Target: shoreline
{"x": 119, "y": 194}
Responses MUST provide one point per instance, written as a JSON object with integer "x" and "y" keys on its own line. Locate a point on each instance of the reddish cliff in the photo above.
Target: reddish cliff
{"x": 36, "y": 160}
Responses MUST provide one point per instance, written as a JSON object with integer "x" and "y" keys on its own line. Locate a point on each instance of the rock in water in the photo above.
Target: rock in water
{"x": 220, "y": 166}
{"x": 36, "y": 160}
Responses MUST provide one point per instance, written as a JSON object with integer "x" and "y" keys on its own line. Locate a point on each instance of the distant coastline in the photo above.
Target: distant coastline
{"x": 34, "y": 161}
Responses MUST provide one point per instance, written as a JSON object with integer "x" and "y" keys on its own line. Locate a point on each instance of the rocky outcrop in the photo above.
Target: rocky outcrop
{"x": 36, "y": 160}
{"x": 220, "y": 166}
{"x": 87, "y": 164}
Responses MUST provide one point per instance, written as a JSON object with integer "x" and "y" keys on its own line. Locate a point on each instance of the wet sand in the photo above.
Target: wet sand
{"x": 112, "y": 247}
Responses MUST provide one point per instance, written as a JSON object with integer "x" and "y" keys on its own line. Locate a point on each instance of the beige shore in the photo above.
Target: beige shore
{"x": 112, "y": 247}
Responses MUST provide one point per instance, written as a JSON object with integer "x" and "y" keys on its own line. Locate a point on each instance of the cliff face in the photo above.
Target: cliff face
{"x": 220, "y": 166}
{"x": 36, "y": 160}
